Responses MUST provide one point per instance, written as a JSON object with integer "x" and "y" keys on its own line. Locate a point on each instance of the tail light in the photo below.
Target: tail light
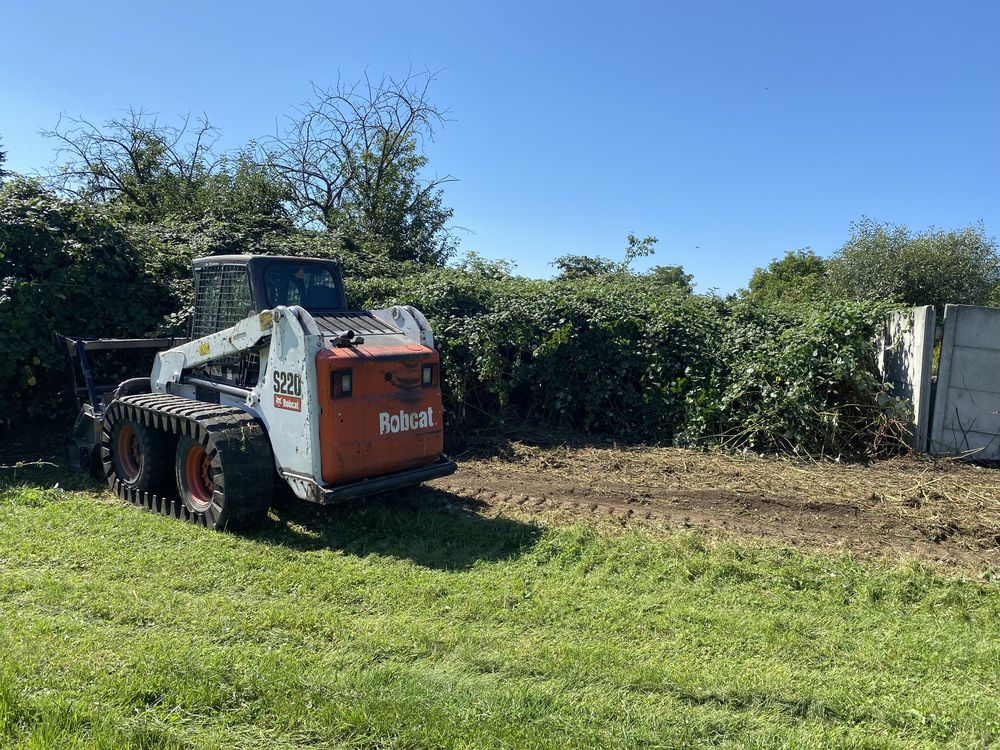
{"x": 342, "y": 384}
{"x": 427, "y": 376}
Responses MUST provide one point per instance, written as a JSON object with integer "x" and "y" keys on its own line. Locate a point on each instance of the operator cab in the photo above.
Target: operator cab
{"x": 228, "y": 288}
{"x": 315, "y": 286}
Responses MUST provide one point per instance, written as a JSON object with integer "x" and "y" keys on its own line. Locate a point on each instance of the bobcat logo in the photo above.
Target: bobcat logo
{"x": 405, "y": 421}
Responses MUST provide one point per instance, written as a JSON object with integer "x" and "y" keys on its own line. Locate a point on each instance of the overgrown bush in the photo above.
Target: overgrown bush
{"x": 612, "y": 355}
{"x": 797, "y": 378}
{"x": 78, "y": 268}
{"x": 607, "y": 353}
{"x": 65, "y": 266}
{"x": 586, "y": 354}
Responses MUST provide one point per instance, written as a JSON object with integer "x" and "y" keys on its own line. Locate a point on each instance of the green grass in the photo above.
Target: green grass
{"x": 420, "y": 624}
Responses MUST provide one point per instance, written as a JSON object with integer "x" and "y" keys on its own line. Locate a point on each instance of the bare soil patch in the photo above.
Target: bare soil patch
{"x": 939, "y": 511}
{"x": 944, "y": 512}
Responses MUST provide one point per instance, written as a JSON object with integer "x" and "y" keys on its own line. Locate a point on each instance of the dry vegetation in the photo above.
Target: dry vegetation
{"x": 939, "y": 511}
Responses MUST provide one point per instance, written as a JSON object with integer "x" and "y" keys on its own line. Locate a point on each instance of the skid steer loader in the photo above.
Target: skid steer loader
{"x": 278, "y": 382}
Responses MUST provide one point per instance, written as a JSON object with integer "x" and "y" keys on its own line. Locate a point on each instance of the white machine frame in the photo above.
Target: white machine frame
{"x": 287, "y": 340}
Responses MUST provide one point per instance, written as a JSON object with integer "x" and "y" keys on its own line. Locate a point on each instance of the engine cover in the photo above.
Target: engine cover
{"x": 389, "y": 421}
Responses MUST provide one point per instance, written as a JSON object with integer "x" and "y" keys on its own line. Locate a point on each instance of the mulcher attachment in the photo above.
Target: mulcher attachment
{"x": 242, "y": 466}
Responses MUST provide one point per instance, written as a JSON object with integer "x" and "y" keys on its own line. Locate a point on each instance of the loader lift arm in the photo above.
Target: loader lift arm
{"x": 170, "y": 365}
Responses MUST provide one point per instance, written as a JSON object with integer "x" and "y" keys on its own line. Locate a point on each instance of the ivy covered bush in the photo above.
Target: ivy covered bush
{"x": 65, "y": 266}
{"x": 796, "y": 378}
{"x": 609, "y": 354}
{"x": 78, "y": 268}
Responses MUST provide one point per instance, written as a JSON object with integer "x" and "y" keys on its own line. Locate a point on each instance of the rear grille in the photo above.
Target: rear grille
{"x": 361, "y": 322}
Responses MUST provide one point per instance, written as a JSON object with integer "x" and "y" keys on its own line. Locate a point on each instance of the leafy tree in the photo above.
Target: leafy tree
{"x": 394, "y": 214}
{"x": 934, "y": 267}
{"x": 152, "y": 171}
{"x": 670, "y": 278}
{"x": 3, "y": 158}
{"x": 800, "y": 276}
{"x": 585, "y": 266}
{"x": 352, "y": 159}
{"x": 350, "y": 162}
{"x": 240, "y": 188}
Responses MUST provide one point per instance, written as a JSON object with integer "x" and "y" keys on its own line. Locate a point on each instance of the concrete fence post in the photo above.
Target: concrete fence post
{"x": 906, "y": 351}
{"x": 967, "y": 400}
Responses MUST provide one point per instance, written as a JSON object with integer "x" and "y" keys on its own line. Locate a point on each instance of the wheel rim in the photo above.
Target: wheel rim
{"x": 129, "y": 452}
{"x": 198, "y": 477}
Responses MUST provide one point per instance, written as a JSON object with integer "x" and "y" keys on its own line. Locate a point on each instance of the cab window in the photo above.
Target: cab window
{"x": 309, "y": 285}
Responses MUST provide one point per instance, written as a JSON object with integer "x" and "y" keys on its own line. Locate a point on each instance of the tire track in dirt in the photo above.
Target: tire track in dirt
{"x": 815, "y": 525}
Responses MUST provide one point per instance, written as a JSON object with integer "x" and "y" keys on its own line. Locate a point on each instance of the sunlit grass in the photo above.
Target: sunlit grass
{"x": 417, "y": 622}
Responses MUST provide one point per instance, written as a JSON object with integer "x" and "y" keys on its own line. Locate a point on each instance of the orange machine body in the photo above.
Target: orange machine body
{"x": 390, "y": 421}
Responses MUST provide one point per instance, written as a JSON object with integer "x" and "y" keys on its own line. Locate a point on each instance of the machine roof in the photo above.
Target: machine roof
{"x": 211, "y": 260}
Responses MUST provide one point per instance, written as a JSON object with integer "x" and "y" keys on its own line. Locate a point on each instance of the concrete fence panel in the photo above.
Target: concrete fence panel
{"x": 906, "y": 349}
{"x": 967, "y": 399}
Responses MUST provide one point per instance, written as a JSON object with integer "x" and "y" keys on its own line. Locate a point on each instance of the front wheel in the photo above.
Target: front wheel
{"x": 140, "y": 457}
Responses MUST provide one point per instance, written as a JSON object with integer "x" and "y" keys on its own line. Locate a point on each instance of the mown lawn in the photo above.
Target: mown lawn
{"x": 417, "y": 623}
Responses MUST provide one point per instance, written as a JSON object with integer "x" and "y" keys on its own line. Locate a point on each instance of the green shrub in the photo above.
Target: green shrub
{"x": 608, "y": 353}
{"x": 76, "y": 268}
{"x": 65, "y": 266}
{"x": 797, "y": 378}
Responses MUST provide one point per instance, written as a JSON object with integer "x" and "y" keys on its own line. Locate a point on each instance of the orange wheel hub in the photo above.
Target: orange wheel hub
{"x": 198, "y": 477}
{"x": 129, "y": 452}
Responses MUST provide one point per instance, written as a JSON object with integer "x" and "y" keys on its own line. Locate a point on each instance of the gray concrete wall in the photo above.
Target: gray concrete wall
{"x": 906, "y": 348}
{"x": 967, "y": 400}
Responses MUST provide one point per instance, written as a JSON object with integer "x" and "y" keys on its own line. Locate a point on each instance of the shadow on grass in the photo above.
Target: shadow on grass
{"x": 430, "y": 527}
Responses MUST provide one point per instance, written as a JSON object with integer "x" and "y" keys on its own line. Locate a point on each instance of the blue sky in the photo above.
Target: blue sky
{"x": 731, "y": 131}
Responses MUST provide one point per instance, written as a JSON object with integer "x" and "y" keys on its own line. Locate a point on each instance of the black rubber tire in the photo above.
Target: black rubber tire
{"x": 154, "y": 471}
{"x": 239, "y": 488}
{"x": 235, "y": 459}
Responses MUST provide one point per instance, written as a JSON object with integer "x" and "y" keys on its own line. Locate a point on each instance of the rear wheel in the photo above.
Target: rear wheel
{"x": 223, "y": 481}
{"x": 195, "y": 479}
{"x": 140, "y": 457}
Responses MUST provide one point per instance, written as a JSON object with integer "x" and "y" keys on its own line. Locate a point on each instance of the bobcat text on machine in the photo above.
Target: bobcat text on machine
{"x": 280, "y": 379}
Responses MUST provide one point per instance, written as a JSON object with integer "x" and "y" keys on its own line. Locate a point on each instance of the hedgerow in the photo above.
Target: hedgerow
{"x": 76, "y": 268}
{"x": 64, "y": 266}
{"x": 609, "y": 354}
{"x": 799, "y": 378}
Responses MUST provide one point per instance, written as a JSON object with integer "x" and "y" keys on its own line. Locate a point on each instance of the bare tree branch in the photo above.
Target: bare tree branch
{"x": 123, "y": 157}
{"x": 343, "y": 141}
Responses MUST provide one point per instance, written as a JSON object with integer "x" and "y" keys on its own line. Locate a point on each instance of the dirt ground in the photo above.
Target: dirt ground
{"x": 942, "y": 512}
